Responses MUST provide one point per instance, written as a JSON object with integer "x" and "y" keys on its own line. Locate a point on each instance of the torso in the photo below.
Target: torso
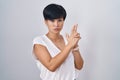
{"x": 54, "y": 48}
{"x": 60, "y": 44}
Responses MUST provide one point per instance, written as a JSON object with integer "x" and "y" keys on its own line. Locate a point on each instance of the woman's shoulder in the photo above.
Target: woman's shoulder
{"x": 38, "y": 39}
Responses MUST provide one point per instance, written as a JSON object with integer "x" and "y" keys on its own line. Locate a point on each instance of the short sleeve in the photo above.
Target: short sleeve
{"x": 38, "y": 40}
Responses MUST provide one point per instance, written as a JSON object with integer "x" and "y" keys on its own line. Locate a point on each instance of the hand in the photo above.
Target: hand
{"x": 74, "y": 37}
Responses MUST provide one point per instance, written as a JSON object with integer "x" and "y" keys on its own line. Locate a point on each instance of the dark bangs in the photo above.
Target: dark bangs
{"x": 54, "y": 11}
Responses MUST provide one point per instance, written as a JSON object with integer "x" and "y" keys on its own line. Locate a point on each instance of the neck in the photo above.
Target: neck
{"x": 53, "y": 37}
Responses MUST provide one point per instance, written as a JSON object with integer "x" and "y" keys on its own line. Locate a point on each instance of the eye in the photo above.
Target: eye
{"x": 52, "y": 20}
{"x": 60, "y": 20}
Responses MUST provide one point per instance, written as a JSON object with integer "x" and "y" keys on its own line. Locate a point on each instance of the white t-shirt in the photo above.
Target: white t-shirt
{"x": 66, "y": 71}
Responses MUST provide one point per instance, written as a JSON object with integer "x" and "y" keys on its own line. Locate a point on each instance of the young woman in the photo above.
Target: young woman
{"x": 57, "y": 57}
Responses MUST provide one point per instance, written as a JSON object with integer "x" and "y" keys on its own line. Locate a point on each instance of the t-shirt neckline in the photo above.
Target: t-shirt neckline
{"x": 53, "y": 43}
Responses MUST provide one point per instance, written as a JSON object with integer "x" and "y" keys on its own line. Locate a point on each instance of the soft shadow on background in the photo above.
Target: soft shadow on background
{"x": 99, "y": 25}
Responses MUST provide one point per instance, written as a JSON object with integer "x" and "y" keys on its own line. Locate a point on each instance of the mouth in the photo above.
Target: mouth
{"x": 57, "y": 29}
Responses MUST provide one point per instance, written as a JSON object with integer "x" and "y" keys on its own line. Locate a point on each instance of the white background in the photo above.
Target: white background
{"x": 99, "y": 26}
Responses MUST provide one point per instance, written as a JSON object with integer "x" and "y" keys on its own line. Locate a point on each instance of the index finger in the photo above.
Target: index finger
{"x": 76, "y": 26}
{"x": 74, "y": 29}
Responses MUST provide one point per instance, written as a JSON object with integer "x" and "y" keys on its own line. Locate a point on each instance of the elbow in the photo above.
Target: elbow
{"x": 80, "y": 66}
{"x": 52, "y": 69}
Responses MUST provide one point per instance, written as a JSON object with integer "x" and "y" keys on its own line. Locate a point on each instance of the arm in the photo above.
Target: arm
{"x": 51, "y": 63}
{"x": 78, "y": 59}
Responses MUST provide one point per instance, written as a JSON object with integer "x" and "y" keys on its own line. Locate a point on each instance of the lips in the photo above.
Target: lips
{"x": 57, "y": 29}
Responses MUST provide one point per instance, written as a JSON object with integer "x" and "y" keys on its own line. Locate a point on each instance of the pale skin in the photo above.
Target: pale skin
{"x": 43, "y": 55}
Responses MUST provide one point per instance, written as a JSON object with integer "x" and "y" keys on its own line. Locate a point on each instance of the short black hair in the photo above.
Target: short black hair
{"x": 54, "y": 11}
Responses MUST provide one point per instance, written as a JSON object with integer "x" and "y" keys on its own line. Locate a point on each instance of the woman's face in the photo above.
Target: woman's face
{"x": 55, "y": 25}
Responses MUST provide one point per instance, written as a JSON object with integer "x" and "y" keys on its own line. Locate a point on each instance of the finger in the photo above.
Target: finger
{"x": 76, "y": 26}
{"x": 67, "y": 36}
{"x": 73, "y": 28}
{"x": 77, "y": 35}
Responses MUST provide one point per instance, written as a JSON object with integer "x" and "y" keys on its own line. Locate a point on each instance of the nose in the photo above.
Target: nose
{"x": 55, "y": 23}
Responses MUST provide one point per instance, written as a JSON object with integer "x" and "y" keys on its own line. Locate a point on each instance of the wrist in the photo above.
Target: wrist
{"x": 76, "y": 48}
{"x": 69, "y": 47}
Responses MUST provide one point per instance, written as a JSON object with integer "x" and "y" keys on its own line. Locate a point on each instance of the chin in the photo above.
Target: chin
{"x": 56, "y": 32}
